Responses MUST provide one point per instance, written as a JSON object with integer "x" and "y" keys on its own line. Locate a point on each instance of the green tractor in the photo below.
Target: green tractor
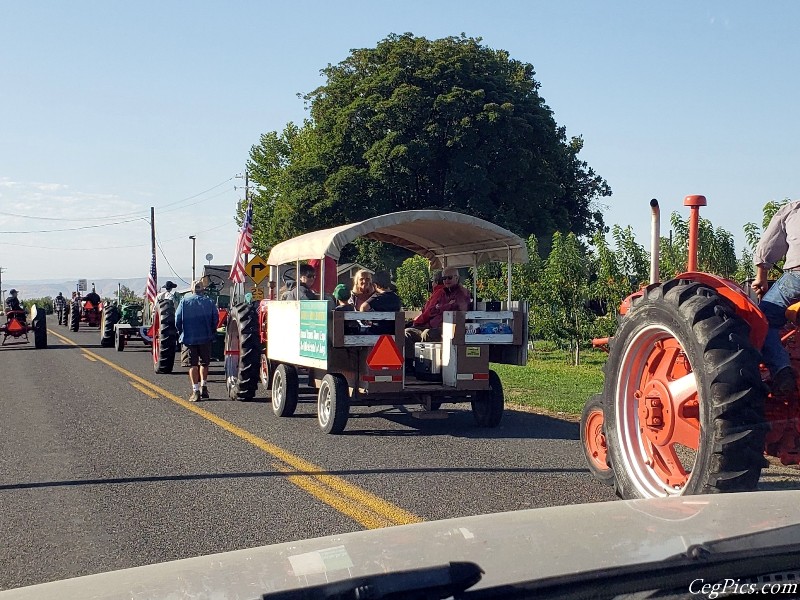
{"x": 153, "y": 324}
{"x": 120, "y": 323}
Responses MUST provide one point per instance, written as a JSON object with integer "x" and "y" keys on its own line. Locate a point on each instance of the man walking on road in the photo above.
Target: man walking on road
{"x": 60, "y": 306}
{"x": 196, "y": 320}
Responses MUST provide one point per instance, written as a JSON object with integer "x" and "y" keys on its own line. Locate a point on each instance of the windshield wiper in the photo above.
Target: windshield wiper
{"x": 730, "y": 558}
{"x": 431, "y": 583}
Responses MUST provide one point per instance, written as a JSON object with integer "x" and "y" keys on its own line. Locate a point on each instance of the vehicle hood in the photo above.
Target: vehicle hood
{"x": 510, "y": 547}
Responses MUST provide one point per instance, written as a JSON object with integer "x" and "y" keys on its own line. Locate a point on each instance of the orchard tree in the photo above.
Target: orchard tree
{"x": 416, "y": 123}
{"x": 753, "y": 232}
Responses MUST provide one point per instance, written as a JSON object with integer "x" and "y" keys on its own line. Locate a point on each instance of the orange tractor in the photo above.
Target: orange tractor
{"x": 686, "y": 406}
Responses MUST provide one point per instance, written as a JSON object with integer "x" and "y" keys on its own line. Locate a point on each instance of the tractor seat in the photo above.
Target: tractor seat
{"x": 792, "y": 313}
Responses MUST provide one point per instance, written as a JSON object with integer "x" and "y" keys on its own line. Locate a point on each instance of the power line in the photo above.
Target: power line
{"x": 158, "y": 243}
{"x": 76, "y": 228}
{"x": 129, "y": 214}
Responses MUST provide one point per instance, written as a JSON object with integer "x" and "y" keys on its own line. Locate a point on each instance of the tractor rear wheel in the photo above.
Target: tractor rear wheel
{"x": 165, "y": 337}
{"x": 593, "y": 440}
{"x": 242, "y": 352}
{"x": 109, "y": 318}
{"x": 684, "y": 400}
{"x": 75, "y": 316}
{"x": 39, "y": 323}
{"x": 487, "y": 408}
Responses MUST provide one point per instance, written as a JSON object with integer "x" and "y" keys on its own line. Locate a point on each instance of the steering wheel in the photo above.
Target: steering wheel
{"x": 215, "y": 282}
{"x": 288, "y": 278}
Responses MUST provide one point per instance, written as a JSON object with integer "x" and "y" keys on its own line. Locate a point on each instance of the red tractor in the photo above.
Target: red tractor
{"x": 687, "y": 406}
{"x": 17, "y": 326}
{"x": 86, "y": 312}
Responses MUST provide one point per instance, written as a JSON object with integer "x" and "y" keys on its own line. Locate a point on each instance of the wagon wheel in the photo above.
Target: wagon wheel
{"x": 593, "y": 440}
{"x": 684, "y": 401}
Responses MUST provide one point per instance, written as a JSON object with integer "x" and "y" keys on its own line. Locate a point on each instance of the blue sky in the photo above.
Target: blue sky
{"x": 110, "y": 107}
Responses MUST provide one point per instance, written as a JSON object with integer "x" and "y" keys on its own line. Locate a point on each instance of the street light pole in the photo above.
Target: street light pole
{"x": 194, "y": 242}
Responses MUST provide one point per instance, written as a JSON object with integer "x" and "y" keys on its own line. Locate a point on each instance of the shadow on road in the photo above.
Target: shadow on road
{"x": 280, "y": 474}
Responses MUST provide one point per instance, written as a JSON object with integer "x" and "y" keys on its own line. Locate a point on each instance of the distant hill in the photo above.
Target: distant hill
{"x": 107, "y": 288}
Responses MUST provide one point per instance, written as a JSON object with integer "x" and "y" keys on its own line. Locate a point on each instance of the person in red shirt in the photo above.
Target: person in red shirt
{"x": 428, "y": 325}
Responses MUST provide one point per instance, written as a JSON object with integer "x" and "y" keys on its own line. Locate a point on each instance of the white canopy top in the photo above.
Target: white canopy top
{"x": 446, "y": 238}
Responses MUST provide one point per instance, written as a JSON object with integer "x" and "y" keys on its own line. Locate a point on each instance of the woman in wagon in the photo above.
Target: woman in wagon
{"x": 363, "y": 288}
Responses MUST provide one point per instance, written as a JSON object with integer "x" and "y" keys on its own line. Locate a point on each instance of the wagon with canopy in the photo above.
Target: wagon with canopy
{"x": 274, "y": 339}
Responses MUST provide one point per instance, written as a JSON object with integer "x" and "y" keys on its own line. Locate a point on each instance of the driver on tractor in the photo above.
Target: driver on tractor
{"x": 14, "y": 307}
{"x": 779, "y": 240}
{"x": 92, "y": 297}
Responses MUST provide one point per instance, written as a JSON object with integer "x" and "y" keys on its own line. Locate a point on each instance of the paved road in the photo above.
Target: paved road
{"x": 104, "y": 465}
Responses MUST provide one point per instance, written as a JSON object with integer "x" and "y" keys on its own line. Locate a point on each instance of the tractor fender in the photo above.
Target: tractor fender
{"x": 744, "y": 306}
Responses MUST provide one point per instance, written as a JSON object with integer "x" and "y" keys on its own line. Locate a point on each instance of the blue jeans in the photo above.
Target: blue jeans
{"x": 782, "y": 294}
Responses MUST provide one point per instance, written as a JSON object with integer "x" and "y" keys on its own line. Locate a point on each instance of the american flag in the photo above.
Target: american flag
{"x": 152, "y": 287}
{"x": 244, "y": 245}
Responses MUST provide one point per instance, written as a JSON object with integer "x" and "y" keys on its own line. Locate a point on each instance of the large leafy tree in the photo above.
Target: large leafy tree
{"x": 417, "y": 123}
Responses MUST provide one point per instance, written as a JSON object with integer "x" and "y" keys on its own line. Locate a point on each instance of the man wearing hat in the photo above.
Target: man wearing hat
{"x": 168, "y": 292}
{"x": 13, "y": 303}
{"x": 196, "y": 320}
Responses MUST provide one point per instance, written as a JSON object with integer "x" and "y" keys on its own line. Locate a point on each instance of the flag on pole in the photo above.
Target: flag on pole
{"x": 152, "y": 287}
{"x": 244, "y": 245}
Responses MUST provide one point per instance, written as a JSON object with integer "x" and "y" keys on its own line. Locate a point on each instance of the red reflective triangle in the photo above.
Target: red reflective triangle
{"x": 385, "y": 355}
{"x": 15, "y": 326}
{"x": 88, "y": 305}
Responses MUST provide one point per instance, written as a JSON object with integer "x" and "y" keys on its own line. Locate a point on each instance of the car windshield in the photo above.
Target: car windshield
{"x": 300, "y": 294}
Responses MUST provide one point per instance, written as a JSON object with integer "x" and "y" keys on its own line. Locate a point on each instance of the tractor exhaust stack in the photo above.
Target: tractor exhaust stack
{"x": 655, "y": 239}
{"x": 694, "y": 203}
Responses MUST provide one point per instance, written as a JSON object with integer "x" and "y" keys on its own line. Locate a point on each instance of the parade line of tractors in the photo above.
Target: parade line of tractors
{"x": 686, "y": 406}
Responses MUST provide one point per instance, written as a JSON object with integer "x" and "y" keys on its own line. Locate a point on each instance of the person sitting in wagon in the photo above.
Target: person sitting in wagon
{"x": 427, "y": 327}
{"x": 363, "y": 288}
{"x": 303, "y": 289}
{"x": 385, "y": 299}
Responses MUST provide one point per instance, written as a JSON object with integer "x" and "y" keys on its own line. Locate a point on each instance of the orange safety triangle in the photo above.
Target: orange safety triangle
{"x": 15, "y": 326}
{"x": 88, "y": 305}
{"x": 385, "y": 355}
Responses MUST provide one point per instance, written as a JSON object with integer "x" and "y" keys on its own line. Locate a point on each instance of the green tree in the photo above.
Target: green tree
{"x": 752, "y": 234}
{"x": 46, "y": 303}
{"x": 412, "y": 281}
{"x": 128, "y": 296}
{"x": 562, "y": 315}
{"x": 716, "y": 252}
{"x": 417, "y": 123}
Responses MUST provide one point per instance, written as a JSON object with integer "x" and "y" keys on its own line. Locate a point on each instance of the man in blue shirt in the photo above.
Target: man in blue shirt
{"x": 196, "y": 320}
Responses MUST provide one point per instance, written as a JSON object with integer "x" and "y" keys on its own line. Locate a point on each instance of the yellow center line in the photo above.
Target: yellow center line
{"x": 89, "y": 357}
{"x": 374, "y": 511}
{"x": 144, "y": 390}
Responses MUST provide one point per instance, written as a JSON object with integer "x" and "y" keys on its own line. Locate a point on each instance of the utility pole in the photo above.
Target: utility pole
{"x": 194, "y": 241}
{"x": 2, "y": 291}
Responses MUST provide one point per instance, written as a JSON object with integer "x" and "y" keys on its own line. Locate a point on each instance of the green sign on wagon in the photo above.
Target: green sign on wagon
{"x": 314, "y": 329}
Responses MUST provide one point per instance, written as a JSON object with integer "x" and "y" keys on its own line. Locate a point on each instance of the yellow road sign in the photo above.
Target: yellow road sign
{"x": 257, "y": 269}
{"x": 258, "y": 293}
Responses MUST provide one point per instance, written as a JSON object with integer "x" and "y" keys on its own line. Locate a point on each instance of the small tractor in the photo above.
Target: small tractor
{"x": 17, "y": 326}
{"x": 686, "y": 406}
{"x": 120, "y": 324}
{"x": 84, "y": 312}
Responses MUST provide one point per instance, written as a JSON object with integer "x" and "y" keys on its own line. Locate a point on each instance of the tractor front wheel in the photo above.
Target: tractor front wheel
{"x": 684, "y": 401}
{"x": 593, "y": 440}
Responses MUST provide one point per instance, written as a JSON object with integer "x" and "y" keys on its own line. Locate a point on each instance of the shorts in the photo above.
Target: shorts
{"x": 199, "y": 354}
